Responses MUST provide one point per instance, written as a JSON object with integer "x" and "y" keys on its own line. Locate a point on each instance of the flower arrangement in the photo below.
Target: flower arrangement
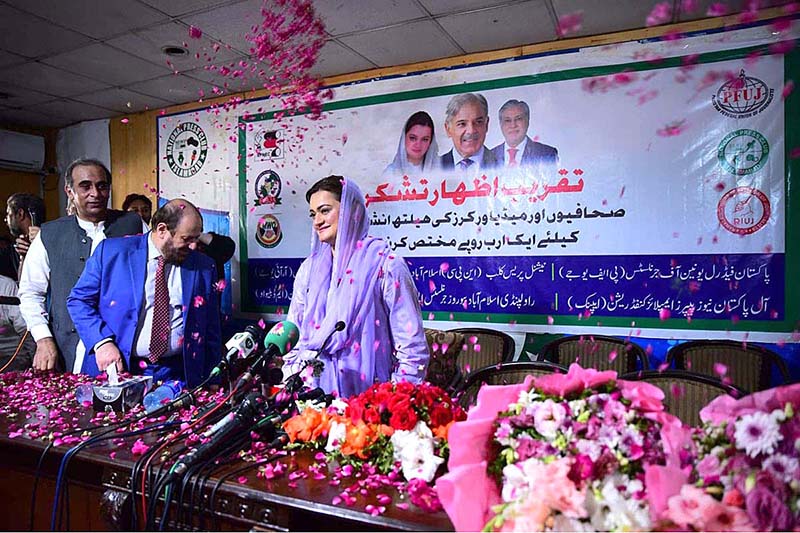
{"x": 387, "y": 424}
{"x": 746, "y": 471}
{"x": 562, "y": 452}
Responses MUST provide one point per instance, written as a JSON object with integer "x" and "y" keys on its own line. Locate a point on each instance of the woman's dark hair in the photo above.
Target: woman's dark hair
{"x": 133, "y": 197}
{"x": 332, "y": 184}
{"x": 420, "y": 118}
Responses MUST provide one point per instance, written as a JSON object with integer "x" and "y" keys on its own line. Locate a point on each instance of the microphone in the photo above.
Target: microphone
{"x": 246, "y": 415}
{"x": 278, "y": 342}
{"x": 240, "y": 346}
{"x": 339, "y": 326}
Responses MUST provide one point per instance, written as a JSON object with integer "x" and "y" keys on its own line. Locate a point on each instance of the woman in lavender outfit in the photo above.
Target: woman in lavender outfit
{"x": 356, "y": 279}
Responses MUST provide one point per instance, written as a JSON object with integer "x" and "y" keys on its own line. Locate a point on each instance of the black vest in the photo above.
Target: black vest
{"x": 68, "y": 248}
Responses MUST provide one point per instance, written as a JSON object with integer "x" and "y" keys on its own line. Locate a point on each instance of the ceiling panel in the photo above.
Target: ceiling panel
{"x": 336, "y": 59}
{"x": 229, "y": 24}
{"x": 147, "y": 44}
{"x": 21, "y": 97}
{"x": 407, "y": 43}
{"x": 523, "y": 23}
{"x": 181, "y": 7}
{"x": 122, "y": 100}
{"x": 732, "y": 7}
{"x": 110, "y": 65}
{"x": 345, "y": 16}
{"x": 75, "y": 111}
{"x": 25, "y": 117}
{"x": 227, "y": 83}
{"x": 96, "y": 18}
{"x": 31, "y": 36}
{"x": 47, "y": 79}
{"x": 439, "y": 7}
{"x": 7, "y": 58}
{"x": 597, "y": 18}
{"x": 175, "y": 88}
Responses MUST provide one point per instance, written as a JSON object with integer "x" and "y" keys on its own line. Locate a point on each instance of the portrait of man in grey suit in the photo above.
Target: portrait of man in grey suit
{"x": 519, "y": 150}
{"x": 466, "y": 123}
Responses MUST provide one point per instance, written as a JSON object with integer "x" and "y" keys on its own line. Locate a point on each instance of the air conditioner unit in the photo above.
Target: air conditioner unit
{"x": 21, "y": 151}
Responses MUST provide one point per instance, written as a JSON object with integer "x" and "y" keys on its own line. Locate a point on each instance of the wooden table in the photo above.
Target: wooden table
{"x": 99, "y": 489}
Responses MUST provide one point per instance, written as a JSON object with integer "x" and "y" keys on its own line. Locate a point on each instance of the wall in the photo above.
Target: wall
{"x": 12, "y": 181}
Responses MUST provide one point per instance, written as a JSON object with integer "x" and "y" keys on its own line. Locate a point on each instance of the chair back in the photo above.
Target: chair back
{"x": 503, "y": 374}
{"x": 483, "y": 347}
{"x": 685, "y": 393}
{"x": 444, "y": 347}
{"x": 749, "y": 367}
{"x": 598, "y": 352}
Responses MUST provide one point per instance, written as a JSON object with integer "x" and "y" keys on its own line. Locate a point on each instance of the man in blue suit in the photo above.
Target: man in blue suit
{"x": 149, "y": 303}
{"x": 519, "y": 150}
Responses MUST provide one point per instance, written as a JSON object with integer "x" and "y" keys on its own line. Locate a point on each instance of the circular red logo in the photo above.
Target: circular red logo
{"x": 743, "y": 210}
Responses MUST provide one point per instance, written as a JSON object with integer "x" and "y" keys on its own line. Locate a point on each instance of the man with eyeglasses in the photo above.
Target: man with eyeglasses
{"x": 56, "y": 260}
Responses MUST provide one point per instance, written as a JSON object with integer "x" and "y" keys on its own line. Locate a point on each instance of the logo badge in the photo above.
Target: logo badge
{"x": 743, "y": 210}
{"x": 743, "y": 152}
{"x": 743, "y": 97}
{"x": 269, "y": 144}
{"x": 268, "y": 188}
{"x": 268, "y": 231}
{"x": 187, "y": 149}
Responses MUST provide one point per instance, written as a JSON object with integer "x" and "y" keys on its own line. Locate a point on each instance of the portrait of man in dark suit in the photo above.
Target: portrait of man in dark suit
{"x": 466, "y": 123}
{"x": 519, "y": 150}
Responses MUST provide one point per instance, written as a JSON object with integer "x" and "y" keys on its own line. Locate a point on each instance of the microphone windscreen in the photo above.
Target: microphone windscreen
{"x": 283, "y": 335}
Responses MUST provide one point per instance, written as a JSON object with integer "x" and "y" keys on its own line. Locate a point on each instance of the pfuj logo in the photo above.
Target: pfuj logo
{"x": 269, "y": 144}
{"x": 743, "y": 152}
{"x": 268, "y": 188}
{"x": 187, "y": 149}
{"x": 268, "y": 231}
{"x": 742, "y": 97}
{"x": 743, "y": 210}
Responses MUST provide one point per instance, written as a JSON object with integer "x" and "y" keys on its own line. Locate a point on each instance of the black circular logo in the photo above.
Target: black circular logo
{"x": 187, "y": 149}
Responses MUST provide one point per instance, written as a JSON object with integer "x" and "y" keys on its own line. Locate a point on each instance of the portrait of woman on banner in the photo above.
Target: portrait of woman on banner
{"x": 353, "y": 278}
{"x": 417, "y": 152}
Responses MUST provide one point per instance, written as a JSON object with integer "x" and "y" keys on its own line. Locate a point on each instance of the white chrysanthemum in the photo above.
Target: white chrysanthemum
{"x": 757, "y": 433}
{"x": 336, "y": 436}
{"x": 612, "y": 510}
{"x": 782, "y": 466}
{"x": 564, "y": 523}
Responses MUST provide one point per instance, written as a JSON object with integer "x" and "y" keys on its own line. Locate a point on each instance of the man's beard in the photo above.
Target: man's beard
{"x": 15, "y": 231}
{"x": 171, "y": 254}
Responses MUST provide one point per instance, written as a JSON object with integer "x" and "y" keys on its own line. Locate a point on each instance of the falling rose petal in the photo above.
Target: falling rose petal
{"x": 550, "y": 320}
{"x": 664, "y": 314}
{"x": 734, "y": 319}
{"x": 677, "y": 391}
{"x": 444, "y": 267}
{"x": 198, "y": 301}
{"x": 612, "y": 356}
{"x": 717, "y": 9}
{"x": 431, "y": 286}
{"x": 569, "y": 23}
{"x": 142, "y": 364}
{"x": 431, "y": 316}
{"x": 660, "y": 14}
{"x": 672, "y": 129}
{"x": 195, "y": 33}
{"x": 663, "y": 366}
{"x": 783, "y": 47}
{"x": 788, "y": 87}
{"x": 242, "y": 479}
{"x": 124, "y": 120}
{"x": 720, "y": 369}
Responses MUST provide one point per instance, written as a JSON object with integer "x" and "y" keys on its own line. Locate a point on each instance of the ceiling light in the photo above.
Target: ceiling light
{"x": 174, "y": 50}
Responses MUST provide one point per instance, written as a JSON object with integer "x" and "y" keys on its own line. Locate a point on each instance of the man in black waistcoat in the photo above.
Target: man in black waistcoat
{"x": 56, "y": 259}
